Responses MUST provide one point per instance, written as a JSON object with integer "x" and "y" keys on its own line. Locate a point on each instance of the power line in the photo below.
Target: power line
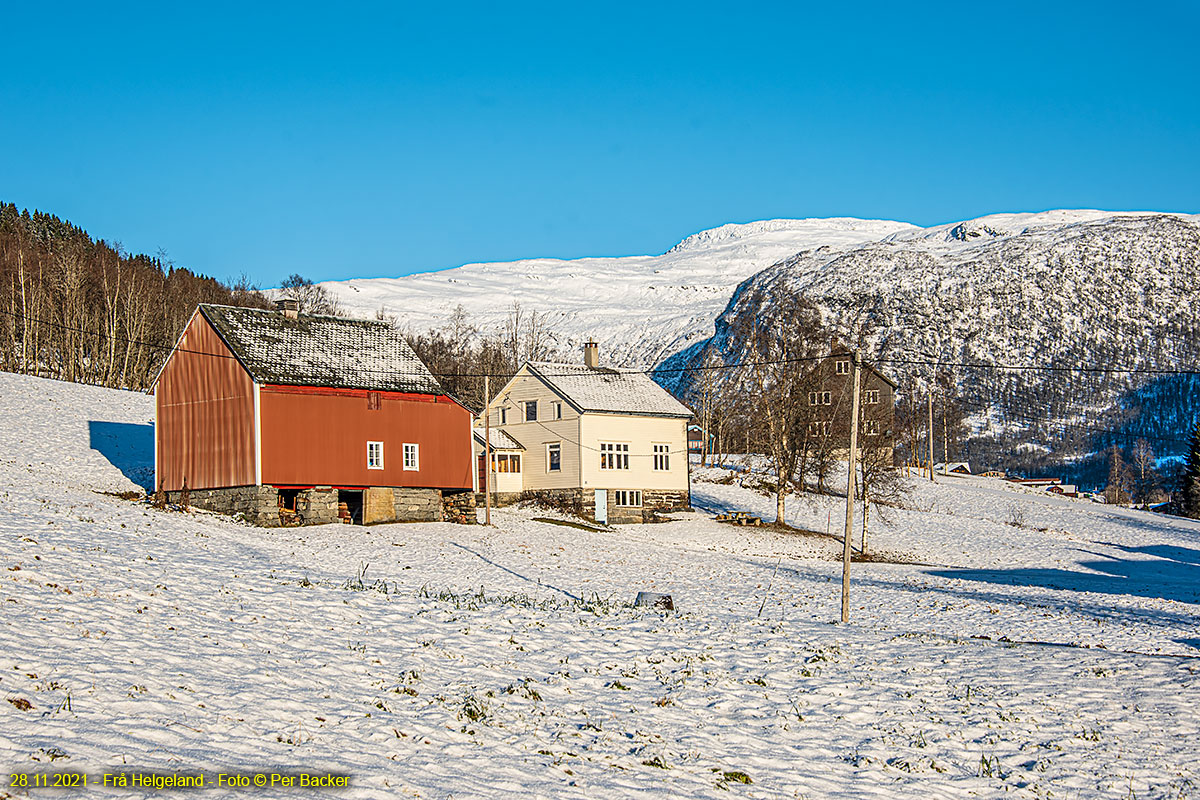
{"x": 931, "y": 362}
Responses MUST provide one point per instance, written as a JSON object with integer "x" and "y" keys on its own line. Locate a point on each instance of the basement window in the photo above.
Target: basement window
{"x": 374, "y": 455}
{"x": 627, "y": 498}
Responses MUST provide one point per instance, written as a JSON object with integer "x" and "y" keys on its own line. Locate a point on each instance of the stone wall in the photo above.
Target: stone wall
{"x": 416, "y": 505}
{"x": 258, "y": 505}
{"x": 317, "y": 506}
{"x": 570, "y": 501}
{"x": 500, "y": 499}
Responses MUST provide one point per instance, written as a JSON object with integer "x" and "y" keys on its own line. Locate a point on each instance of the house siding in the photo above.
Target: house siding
{"x": 204, "y": 415}
{"x": 534, "y": 436}
{"x": 641, "y": 433}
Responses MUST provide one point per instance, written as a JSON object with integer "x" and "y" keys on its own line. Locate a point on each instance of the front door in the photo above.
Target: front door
{"x": 602, "y": 506}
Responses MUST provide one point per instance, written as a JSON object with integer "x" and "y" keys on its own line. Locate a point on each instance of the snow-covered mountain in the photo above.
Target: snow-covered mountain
{"x": 640, "y": 308}
{"x": 1113, "y": 291}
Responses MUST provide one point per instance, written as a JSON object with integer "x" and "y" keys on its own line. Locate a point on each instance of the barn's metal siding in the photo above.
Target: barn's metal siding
{"x": 318, "y": 437}
{"x": 204, "y": 406}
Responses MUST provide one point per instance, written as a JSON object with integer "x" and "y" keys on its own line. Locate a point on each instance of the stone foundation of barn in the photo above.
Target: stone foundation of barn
{"x": 270, "y": 507}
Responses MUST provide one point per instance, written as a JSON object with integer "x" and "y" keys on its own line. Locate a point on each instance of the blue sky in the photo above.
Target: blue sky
{"x": 347, "y": 140}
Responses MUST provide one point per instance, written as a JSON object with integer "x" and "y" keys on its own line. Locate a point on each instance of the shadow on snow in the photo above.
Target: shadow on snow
{"x": 128, "y": 446}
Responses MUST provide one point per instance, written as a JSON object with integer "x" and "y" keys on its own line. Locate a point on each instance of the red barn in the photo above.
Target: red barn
{"x": 286, "y": 418}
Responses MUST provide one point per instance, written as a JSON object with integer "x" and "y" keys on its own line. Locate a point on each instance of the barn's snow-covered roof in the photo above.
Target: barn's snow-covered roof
{"x": 320, "y": 351}
{"x": 608, "y": 391}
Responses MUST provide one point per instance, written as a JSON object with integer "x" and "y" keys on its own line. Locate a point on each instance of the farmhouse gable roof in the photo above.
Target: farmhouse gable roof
{"x": 608, "y": 391}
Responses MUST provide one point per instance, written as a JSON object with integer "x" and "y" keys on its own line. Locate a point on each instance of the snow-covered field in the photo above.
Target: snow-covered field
{"x": 508, "y": 661}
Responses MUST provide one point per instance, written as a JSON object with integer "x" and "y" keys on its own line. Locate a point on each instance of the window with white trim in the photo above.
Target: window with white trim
{"x": 531, "y": 410}
{"x": 554, "y": 457}
{"x": 614, "y": 455}
{"x": 819, "y": 428}
{"x": 627, "y": 498}
{"x": 503, "y": 415}
{"x": 662, "y": 458}
{"x": 507, "y": 463}
{"x": 412, "y": 457}
{"x": 843, "y": 367}
{"x": 557, "y": 410}
{"x": 872, "y": 396}
{"x": 820, "y": 398}
{"x": 374, "y": 455}
{"x": 871, "y": 427}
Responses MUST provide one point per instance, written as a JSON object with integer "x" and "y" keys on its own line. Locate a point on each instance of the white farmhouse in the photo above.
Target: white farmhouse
{"x": 609, "y": 444}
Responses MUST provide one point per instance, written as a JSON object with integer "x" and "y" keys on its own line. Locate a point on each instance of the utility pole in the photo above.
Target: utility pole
{"x": 852, "y": 467}
{"x": 945, "y": 439}
{"x": 930, "y": 432}
{"x": 487, "y": 451}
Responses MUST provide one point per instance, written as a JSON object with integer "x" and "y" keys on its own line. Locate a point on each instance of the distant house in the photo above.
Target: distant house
{"x": 289, "y": 418}
{"x": 699, "y": 441}
{"x": 1065, "y": 489}
{"x": 607, "y": 443}
{"x": 829, "y": 403}
{"x": 953, "y": 468}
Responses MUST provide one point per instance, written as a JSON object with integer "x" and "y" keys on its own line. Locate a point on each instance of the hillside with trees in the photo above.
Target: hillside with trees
{"x": 82, "y": 309}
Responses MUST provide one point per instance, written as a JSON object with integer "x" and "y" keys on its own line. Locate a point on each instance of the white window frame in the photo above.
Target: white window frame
{"x": 870, "y": 427}
{"x": 553, "y": 446}
{"x": 614, "y": 456}
{"x": 820, "y": 428}
{"x": 412, "y": 464}
{"x": 662, "y": 457}
{"x": 872, "y": 396}
{"x": 530, "y": 406}
{"x": 557, "y": 410}
{"x": 375, "y": 462}
{"x": 842, "y": 367}
{"x": 627, "y": 498}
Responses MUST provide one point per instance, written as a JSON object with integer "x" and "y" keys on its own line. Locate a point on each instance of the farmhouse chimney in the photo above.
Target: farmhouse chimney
{"x": 289, "y": 307}
{"x": 591, "y": 354}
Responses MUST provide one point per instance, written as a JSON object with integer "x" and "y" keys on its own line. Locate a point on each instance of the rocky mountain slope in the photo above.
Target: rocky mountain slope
{"x": 1109, "y": 292}
{"x": 640, "y": 308}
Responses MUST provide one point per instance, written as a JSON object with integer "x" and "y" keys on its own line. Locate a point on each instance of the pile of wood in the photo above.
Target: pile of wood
{"x": 739, "y": 518}
{"x": 344, "y": 514}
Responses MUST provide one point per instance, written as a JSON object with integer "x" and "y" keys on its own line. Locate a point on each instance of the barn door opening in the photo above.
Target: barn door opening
{"x": 350, "y": 506}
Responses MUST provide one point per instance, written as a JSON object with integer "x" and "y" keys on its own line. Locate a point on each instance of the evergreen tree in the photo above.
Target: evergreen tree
{"x": 1191, "y": 477}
